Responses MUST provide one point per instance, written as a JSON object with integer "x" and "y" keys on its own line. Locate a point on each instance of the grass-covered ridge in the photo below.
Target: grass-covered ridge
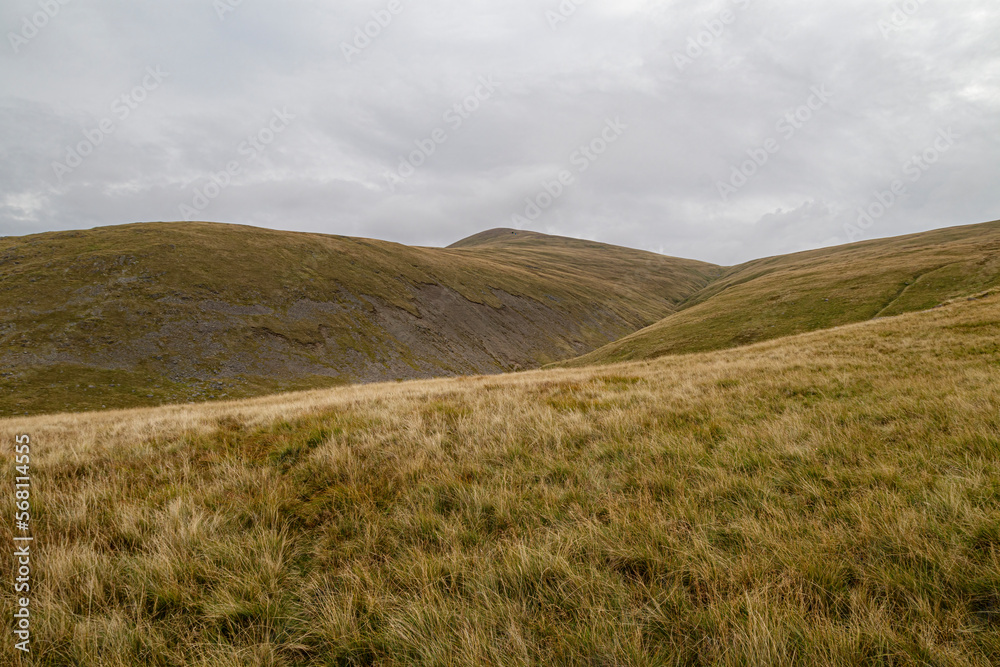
{"x": 144, "y": 314}
{"x": 827, "y": 499}
{"x": 790, "y": 294}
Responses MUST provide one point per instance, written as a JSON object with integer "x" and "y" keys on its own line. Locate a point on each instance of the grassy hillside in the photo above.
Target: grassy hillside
{"x": 168, "y": 312}
{"x": 781, "y": 296}
{"x": 603, "y": 268}
{"x": 827, "y": 499}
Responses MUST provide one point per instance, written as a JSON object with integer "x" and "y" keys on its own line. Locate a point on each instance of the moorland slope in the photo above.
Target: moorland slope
{"x": 790, "y": 294}
{"x": 825, "y": 499}
{"x": 170, "y": 312}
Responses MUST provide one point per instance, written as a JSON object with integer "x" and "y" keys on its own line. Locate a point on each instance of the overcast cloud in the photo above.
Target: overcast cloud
{"x": 299, "y": 132}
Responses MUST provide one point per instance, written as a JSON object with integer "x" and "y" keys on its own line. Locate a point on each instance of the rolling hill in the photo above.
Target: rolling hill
{"x": 152, "y": 313}
{"x": 831, "y": 498}
{"x": 781, "y": 296}
{"x": 155, "y": 313}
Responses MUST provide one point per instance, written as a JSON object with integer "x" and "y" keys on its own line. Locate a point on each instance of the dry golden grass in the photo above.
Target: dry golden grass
{"x": 827, "y": 499}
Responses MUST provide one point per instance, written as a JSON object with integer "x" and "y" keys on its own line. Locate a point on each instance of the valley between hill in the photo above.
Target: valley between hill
{"x": 158, "y": 313}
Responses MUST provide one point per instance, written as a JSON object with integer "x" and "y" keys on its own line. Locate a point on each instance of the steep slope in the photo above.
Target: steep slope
{"x": 790, "y": 294}
{"x": 148, "y": 313}
{"x": 830, "y": 499}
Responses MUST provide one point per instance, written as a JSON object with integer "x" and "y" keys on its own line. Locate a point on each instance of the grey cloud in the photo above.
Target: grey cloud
{"x": 655, "y": 188}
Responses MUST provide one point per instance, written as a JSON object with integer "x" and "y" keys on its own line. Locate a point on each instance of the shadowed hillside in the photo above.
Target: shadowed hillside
{"x": 780, "y": 296}
{"x": 171, "y": 312}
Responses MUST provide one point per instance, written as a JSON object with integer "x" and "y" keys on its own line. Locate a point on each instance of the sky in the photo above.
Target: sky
{"x": 722, "y": 131}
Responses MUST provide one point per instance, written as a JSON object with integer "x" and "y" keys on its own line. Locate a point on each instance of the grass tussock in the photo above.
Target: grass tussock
{"x": 830, "y": 499}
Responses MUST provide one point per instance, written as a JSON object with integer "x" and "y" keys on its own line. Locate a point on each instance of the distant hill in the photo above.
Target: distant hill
{"x": 791, "y": 294}
{"x": 170, "y": 312}
{"x": 503, "y": 237}
{"x": 600, "y": 269}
